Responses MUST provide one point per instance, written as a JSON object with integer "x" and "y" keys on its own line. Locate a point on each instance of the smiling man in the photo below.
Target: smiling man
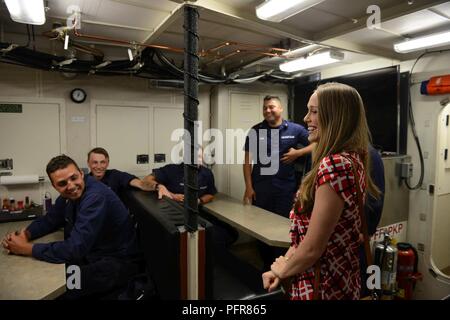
{"x": 117, "y": 181}
{"x": 273, "y": 192}
{"x": 98, "y": 235}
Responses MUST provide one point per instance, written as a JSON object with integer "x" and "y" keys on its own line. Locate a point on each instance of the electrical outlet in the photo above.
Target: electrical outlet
{"x": 423, "y": 217}
{"x": 6, "y": 164}
{"x": 420, "y": 247}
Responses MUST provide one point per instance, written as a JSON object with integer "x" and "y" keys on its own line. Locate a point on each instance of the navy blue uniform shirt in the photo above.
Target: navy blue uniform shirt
{"x": 117, "y": 180}
{"x": 374, "y": 207}
{"x": 172, "y": 177}
{"x": 95, "y": 226}
{"x": 290, "y": 136}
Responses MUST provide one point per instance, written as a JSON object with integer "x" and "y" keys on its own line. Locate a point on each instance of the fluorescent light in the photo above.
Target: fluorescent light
{"x": 130, "y": 54}
{"x": 66, "y": 42}
{"x": 316, "y": 60}
{"x": 300, "y": 51}
{"x": 278, "y": 10}
{"x": 430, "y": 41}
{"x": 27, "y": 11}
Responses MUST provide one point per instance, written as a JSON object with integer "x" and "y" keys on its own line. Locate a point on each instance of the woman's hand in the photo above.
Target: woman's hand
{"x": 270, "y": 281}
{"x": 278, "y": 267}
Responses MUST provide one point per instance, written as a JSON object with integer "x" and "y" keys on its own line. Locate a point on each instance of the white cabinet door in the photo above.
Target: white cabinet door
{"x": 31, "y": 137}
{"x": 246, "y": 111}
{"x": 166, "y": 121}
{"x": 124, "y": 132}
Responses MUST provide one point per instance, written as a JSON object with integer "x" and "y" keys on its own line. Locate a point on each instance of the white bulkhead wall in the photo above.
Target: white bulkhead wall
{"x": 35, "y": 85}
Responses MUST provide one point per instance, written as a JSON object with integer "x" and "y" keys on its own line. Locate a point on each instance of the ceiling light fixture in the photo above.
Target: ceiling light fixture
{"x": 319, "y": 59}
{"x": 430, "y": 41}
{"x": 66, "y": 42}
{"x": 130, "y": 54}
{"x": 27, "y": 11}
{"x": 278, "y": 10}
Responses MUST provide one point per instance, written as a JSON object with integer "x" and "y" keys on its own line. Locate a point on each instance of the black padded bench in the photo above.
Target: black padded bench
{"x": 159, "y": 233}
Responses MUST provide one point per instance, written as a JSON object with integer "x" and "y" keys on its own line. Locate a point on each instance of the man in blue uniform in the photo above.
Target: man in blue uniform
{"x": 169, "y": 182}
{"x": 274, "y": 192}
{"x": 118, "y": 181}
{"x": 373, "y": 209}
{"x": 98, "y": 235}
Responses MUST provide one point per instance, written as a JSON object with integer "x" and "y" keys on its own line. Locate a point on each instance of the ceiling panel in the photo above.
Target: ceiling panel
{"x": 114, "y": 33}
{"x": 415, "y": 22}
{"x": 443, "y": 8}
{"x": 113, "y": 12}
{"x": 89, "y": 9}
{"x": 330, "y": 13}
{"x": 308, "y": 20}
{"x": 154, "y": 5}
{"x": 377, "y": 38}
{"x": 352, "y": 9}
{"x": 137, "y": 20}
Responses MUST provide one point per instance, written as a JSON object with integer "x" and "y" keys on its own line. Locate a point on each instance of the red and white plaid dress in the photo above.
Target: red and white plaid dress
{"x": 339, "y": 264}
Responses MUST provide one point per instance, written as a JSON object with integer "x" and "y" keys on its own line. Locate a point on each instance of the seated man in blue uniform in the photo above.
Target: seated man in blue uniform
{"x": 117, "y": 181}
{"x": 98, "y": 235}
{"x": 169, "y": 182}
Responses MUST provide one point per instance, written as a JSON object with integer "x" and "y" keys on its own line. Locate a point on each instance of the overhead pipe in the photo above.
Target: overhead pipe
{"x": 247, "y": 45}
{"x": 235, "y": 52}
{"x": 64, "y": 30}
{"x": 126, "y": 42}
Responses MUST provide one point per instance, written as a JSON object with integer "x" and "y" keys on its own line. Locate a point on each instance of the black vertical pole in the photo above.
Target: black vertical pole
{"x": 190, "y": 116}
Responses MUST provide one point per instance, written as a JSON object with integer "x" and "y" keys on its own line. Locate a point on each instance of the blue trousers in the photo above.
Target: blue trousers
{"x": 275, "y": 200}
{"x": 280, "y": 202}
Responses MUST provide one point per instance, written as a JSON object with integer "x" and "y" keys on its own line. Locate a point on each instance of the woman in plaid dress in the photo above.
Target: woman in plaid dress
{"x": 326, "y": 225}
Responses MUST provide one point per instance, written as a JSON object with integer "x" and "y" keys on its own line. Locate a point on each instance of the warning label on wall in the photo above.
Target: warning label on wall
{"x": 396, "y": 231}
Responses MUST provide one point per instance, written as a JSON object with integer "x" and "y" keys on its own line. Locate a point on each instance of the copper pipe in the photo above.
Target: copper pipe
{"x": 53, "y": 35}
{"x": 130, "y": 43}
{"x": 206, "y": 52}
{"x": 225, "y": 56}
{"x": 260, "y": 47}
{"x": 263, "y": 53}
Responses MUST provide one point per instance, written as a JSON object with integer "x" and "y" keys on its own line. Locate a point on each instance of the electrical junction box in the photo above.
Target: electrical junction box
{"x": 405, "y": 170}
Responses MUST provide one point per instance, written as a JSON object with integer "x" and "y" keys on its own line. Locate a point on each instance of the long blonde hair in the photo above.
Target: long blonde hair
{"x": 343, "y": 128}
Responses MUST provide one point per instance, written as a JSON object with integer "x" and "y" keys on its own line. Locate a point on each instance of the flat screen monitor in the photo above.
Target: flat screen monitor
{"x": 386, "y": 106}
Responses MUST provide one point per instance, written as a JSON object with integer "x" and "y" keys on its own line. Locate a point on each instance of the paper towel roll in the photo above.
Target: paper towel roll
{"x": 11, "y": 180}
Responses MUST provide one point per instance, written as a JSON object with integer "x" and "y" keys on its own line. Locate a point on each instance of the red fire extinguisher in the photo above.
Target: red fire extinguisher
{"x": 407, "y": 274}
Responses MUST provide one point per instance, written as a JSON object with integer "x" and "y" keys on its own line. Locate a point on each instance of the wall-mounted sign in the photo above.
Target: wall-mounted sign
{"x": 10, "y": 108}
